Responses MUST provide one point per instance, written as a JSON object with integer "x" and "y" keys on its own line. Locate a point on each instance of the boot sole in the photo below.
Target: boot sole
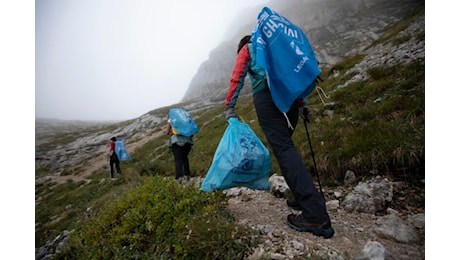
{"x": 326, "y": 233}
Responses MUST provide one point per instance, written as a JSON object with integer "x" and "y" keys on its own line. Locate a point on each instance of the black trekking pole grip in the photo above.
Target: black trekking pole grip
{"x": 313, "y": 156}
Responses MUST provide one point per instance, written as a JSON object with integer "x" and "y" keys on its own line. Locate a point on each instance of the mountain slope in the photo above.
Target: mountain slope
{"x": 372, "y": 122}
{"x": 336, "y": 30}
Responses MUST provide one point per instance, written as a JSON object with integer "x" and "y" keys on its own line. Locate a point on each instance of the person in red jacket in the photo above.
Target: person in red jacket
{"x": 114, "y": 158}
{"x": 278, "y": 128}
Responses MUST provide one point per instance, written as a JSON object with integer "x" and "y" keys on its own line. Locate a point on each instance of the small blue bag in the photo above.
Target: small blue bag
{"x": 121, "y": 151}
{"x": 241, "y": 159}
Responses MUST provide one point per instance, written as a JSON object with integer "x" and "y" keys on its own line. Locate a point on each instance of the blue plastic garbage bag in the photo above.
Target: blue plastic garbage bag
{"x": 182, "y": 122}
{"x": 121, "y": 151}
{"x": 240, "y": 160}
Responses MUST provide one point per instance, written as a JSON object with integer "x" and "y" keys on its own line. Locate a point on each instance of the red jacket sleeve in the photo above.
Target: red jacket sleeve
{"x": 238, "y": 75}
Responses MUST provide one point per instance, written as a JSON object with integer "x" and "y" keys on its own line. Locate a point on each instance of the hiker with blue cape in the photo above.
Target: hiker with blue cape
{"x": 283, "y": 68}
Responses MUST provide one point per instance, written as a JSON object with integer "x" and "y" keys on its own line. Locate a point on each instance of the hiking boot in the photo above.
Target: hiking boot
{"x": 181, "y": 180}
{"x": 293, "y": 204}
{"x": 299, "y": 223}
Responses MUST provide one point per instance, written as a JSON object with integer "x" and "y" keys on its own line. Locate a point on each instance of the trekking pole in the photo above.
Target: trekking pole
{"x": 313, "y": 155}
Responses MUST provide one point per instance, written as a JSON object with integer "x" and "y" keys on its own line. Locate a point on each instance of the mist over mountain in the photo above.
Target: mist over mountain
{"x": 336, "y": 29}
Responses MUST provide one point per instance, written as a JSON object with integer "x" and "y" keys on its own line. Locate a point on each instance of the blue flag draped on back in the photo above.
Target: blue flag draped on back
{"x": 284, "y": 51}
{"x": 182, "y": 121}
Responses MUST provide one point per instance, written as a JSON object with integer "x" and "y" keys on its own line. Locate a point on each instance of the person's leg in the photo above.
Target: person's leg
{"x": 187, "y": 148}
{"x": 112, "y": 162}
{"x": 117, "y": 166}
{"x": 178, "y": 160}
{"x": 275, "y": 127}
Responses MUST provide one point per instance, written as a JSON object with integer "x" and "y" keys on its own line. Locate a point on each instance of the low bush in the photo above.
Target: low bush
{"x": 162, "y": 220}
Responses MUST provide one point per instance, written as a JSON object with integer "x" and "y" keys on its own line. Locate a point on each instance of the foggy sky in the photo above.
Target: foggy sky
{"x": 119, "y": 59}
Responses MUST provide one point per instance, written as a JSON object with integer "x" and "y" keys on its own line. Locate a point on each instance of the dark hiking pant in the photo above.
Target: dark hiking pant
{"x": 114, "y": 161}
{"x": 275, "y": 127}
{"x": 181, "y": 159}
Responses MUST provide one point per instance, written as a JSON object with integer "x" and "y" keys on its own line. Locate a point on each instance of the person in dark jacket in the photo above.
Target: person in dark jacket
{"x": 181, "y": 147}
{"x": 278, "y": 128}
{"x": 114, "y": 158}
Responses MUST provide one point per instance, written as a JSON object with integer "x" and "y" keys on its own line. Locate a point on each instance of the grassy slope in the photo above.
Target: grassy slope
{"x": 361, "y": 135}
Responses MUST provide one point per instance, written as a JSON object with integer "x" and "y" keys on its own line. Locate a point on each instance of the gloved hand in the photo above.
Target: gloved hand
{"x": 230, "y": 112}
{"x": 305, "y": 114}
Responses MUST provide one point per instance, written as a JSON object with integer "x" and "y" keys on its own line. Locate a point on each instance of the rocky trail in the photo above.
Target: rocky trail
{"x": 357, "y": 235}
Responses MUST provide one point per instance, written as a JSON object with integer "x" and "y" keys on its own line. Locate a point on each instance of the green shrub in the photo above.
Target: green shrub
{"x": 161, "y": 219}
{"x": 63, "y": 206}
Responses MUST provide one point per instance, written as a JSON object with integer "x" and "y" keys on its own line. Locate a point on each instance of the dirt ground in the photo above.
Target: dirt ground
{"x": 352, "y": 230}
